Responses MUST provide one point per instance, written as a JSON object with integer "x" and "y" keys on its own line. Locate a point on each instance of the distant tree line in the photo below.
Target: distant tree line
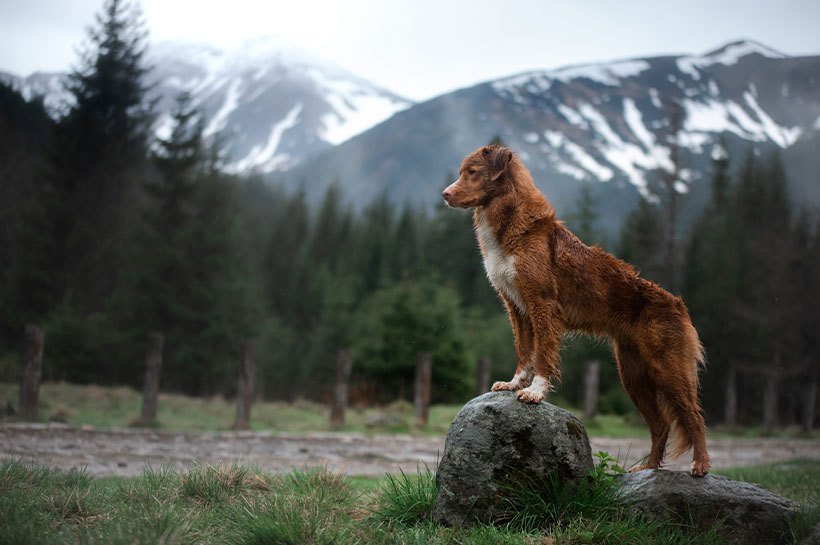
{"x": 108, "y": 233}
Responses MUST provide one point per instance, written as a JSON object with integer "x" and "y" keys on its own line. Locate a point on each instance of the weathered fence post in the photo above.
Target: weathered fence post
{"x": 809, "y": 402}
{"x": 482, "y": 375}
{"x": 244, "y": 391}
{"x": 153, "y": 368}
{"x": 770, "y": 401}
{"x": 34, "y": 338}
{"x": 592, "y": 372}
{"x": 344, "y": 365}
{"x": 730, "y": 407}
{"x": 424, "y": 373}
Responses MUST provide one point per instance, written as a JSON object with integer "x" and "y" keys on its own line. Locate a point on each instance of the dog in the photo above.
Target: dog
{"x": 551, "y": 283}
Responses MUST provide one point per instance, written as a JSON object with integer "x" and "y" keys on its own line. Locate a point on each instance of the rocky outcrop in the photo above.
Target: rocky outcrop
{"x": 495, "y": 439}
{"x": 745, "y": 512}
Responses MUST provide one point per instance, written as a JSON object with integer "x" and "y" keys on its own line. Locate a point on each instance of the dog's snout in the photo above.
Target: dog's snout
{"x": 447, "y": 193}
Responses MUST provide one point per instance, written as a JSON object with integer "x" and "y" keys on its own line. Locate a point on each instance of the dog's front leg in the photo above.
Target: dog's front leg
{"x": 522, "y": 330}
{"x": 546, "y": 327}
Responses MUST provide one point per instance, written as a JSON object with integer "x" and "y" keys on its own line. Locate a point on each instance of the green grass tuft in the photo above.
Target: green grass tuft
{"x": 244, "y": 506}
{"x": 796, "y": 479}
{"x": 308, "y": 507}
{"x": 406, "y": 499}
{"x": 590, "y": 513}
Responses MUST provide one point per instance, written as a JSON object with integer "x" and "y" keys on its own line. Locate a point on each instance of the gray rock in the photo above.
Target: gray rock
{"x": 748, "y": 513}
{"x": 495, "y": 439}
{"x": 813, "y": 537}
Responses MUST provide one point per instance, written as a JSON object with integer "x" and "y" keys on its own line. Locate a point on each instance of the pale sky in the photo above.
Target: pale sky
{"x": 422, "y": 48}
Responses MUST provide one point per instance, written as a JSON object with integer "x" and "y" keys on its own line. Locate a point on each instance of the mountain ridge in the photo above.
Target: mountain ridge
{"x": 597, "y": 122}
{"x": 270, "y": 105}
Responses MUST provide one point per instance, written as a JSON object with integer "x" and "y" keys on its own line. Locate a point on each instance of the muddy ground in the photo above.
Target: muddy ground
{"x": 126, "y": 452}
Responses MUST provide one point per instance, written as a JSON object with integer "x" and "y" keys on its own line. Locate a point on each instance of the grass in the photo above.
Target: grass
{"x": 108, "y": 407}
{"x": 795, "y": 479}
{"x": 242, "y": 506}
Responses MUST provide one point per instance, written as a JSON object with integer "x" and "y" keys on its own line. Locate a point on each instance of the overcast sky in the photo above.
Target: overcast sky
{"x": 421, "y": 48}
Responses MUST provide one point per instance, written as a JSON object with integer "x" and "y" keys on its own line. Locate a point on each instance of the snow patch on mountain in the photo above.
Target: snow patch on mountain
{"x": 265, "y": 157}
{"x": 719, "y": 116}
{"x": 727, "y": 55}
{"x": 782, "y": 136}
{"x": 540, "y": 81}
{"x": 219, "y": 120}
{"x": 269, "y": 103}
{"x": 572, "y": 116}
{"x": 608, "y": 74}
{"x": 579, "y": 156}
{"x": 634, "y": 120}
{"x": 354, "y": 108}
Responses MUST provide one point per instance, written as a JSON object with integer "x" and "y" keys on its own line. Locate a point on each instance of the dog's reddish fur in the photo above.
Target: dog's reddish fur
{"x": 551, "y": 283}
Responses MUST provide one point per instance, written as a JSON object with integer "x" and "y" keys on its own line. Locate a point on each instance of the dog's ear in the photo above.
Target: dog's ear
{"x": 498, "y": 160}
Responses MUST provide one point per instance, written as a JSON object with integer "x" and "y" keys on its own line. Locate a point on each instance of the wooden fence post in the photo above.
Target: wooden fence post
{"x": 244, "y": 391}
{"x": 730, "y": 405}
{"x": 482, "y": 376}
{"x": 424, "y": 372}
{"x": 809, "y": 402}
{"x": 344, "y": 365}
{"x": 153, "y": 368}
{"x": 34, "y": 339}
{"x": 592, "y": 373}
{"x": 770, "y": 401}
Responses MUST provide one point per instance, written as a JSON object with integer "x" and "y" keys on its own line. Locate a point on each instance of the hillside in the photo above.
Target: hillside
{"x": 269, "y": 104}
{"x": 608, "y": 124}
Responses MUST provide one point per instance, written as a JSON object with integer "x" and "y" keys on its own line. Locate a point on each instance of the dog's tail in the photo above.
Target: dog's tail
{"x": 678, "y": 400}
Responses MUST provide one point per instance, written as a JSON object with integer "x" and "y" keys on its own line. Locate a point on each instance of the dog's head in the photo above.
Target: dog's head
{"x": 484, "y": 174}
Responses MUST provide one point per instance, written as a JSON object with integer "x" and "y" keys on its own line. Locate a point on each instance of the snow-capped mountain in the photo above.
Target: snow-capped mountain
{"x": 48, "y": 85}
{"x": 268, "y": 104}
{"x": 608, "y": 122}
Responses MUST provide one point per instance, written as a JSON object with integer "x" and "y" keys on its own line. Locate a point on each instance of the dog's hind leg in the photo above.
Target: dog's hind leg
{"x": 522, "y": 330}
{"x": 634, "y": 373}
{"x": 678, "y": 382}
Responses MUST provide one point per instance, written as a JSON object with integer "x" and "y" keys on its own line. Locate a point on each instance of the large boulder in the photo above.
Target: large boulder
{"x": 495, "y": 439}
{"x": 747, "y": 513}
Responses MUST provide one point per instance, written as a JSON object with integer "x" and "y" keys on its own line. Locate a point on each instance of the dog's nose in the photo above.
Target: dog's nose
{"x": 446, "y": 194}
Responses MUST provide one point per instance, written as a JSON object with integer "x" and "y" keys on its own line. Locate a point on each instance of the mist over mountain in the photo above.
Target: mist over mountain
{"x": 608, "y": 124}
{"x": 268, "y": 104}
{"x": 271, "y": 107}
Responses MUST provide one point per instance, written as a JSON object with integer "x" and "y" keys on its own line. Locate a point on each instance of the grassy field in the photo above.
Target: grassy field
{"x": 239, "y": 505}
{"x": 118, "y": 406}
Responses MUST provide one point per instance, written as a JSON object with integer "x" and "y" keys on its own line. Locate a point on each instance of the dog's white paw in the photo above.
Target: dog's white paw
{"x": 531, "y": 395}
{"x": 503, "y": 386}
{"x": 536, "y": 392}
{"x": 700, "y": 468}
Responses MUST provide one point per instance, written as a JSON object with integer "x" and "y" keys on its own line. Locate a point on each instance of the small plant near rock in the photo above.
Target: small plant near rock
{"x": 589, "y": 512}
{"x": 406, "y": 499}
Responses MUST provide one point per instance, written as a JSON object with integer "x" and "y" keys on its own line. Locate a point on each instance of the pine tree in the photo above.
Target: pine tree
{"x": 407, "y": 244}
{"x": 401, "y": 320}
{"x": 190, "y": 275}
{"x": 583, "y": 218}
{"x": 100, "y": 156}
{"x": 330, "y": 237}
{"x": 375, "y": 245}
{"x": 710, "y": 286}
{"x": 642, "y": 241}
{"x": 284, "y": 250}
{"x": 27, "y": 290}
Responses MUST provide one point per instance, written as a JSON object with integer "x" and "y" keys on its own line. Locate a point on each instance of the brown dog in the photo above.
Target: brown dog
{"x": 552, "y": 283}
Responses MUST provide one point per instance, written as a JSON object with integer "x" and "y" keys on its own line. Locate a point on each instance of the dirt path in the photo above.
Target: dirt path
{"x": 126, "y": 451}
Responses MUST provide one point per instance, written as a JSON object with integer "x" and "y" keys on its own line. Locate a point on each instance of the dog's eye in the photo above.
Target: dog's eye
{"x": 471, "y": 171}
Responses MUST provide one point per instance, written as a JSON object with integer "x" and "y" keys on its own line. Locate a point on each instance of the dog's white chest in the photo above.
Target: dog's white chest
{"x": 500, "y": 267}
